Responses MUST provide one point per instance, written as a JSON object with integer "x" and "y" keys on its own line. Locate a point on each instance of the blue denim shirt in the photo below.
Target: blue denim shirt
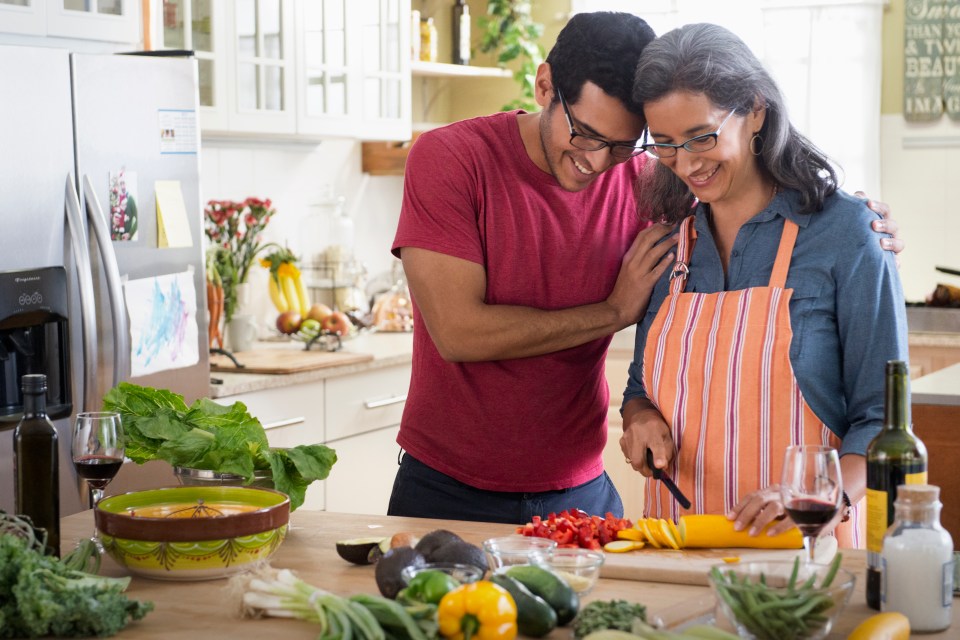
{"x": 847, "y": 310}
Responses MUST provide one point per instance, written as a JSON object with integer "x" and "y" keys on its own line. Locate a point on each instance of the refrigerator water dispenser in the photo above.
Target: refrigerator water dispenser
{"x": 34, "y": 338}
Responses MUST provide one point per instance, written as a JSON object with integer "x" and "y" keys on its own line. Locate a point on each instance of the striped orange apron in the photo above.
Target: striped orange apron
{"x": 717, "y": 366}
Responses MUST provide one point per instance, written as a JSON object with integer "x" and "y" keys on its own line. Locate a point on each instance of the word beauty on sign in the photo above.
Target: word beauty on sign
{"x": 931, "y": 60}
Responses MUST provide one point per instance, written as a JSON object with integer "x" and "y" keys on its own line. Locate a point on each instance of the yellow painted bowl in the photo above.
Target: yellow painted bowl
{"x": 192, "y": 533}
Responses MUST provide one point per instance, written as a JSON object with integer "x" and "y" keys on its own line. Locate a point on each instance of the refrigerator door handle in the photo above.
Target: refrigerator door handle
{"x": 88, "y": 314}
{"x": 118, "y": 311}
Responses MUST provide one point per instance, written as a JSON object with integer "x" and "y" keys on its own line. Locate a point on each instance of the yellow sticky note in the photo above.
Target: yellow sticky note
{"x": 173, "y": 228}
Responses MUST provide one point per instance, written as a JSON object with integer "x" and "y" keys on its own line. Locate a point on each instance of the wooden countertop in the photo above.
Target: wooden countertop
{"x": 388, "y": 349}
{"x": 195, "y": 608}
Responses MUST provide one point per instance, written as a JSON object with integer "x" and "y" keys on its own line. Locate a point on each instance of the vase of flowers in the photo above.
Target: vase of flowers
{"x": 236, "y": 230}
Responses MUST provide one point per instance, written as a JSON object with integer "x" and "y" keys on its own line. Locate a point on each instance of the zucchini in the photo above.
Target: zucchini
{"x": 716, "y": 532}
{"x": 535, "y": 618}
{"x": 550, "y": 587}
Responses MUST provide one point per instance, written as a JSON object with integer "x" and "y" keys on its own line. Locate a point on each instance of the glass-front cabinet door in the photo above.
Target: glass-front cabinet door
{"x": 194, "y": 25}
{"x": 28, "y": 17}
{"x": 261, "y": 83}
{"x": 385, "y": 74}
{"x": 353, "y": 68}
{"x": 108, "y": 20}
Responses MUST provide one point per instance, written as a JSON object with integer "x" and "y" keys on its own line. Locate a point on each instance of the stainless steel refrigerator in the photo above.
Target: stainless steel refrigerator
{"x": 72, "y": 127}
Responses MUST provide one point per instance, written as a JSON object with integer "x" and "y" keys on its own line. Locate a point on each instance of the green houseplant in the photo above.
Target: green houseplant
{"x": 510, "y": 31}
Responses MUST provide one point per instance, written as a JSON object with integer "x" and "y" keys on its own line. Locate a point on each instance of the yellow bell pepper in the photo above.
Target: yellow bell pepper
{"x": 481, "y": 610}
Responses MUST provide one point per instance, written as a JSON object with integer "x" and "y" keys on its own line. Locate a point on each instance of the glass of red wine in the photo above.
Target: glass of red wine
{"x": 811, "y": 489}
{"x": 97, "y": 450}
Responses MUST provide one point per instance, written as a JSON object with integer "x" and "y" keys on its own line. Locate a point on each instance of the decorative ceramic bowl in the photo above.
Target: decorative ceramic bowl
{"x": 757, "y": 598}
{"x": 192, "y": 533}
{"x": 516, "y": 549}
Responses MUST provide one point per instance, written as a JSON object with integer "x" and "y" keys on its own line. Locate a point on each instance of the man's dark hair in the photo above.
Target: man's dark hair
{"x": 602, "y": 47}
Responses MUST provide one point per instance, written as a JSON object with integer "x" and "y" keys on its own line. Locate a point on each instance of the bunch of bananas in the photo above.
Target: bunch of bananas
{"x": 287, "y": 290}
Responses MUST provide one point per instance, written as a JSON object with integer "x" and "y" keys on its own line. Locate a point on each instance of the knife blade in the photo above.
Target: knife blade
{"x": 658, "y": 474}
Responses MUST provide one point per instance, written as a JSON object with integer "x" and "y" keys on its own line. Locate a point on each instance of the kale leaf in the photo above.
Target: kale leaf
{"x": 40, "y": 596}
{"x": 608, "y": 614}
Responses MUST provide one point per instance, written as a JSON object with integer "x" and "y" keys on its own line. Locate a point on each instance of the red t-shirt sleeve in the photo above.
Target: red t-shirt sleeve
{"x": 439, "y": 210}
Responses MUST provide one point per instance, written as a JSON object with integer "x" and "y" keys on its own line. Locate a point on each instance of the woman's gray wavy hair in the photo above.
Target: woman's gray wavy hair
{"x": 709, "y": 59}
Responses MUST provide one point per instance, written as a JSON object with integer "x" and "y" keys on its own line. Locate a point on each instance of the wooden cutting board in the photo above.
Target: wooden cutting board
{"x": 280, "y": 361}
{"x": 688, "y": 566}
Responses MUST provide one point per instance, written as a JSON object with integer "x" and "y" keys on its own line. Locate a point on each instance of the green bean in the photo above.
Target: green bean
{"x": 832, "y": 573}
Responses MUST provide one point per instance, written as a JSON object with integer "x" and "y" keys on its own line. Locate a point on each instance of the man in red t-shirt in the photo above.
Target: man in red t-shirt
{"x": 525, "y": 250}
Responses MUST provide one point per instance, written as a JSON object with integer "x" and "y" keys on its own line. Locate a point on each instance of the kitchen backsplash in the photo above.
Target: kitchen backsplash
{"x": 293, "y": 176}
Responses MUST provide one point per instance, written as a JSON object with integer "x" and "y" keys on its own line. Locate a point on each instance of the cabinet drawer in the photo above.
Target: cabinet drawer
{"x": 366, "y": 401}
{"x": 362, "y": 478}
{"x": 291, "y": 415}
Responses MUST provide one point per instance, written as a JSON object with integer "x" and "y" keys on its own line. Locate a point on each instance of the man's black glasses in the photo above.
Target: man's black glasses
{"x": 619, "y": 150}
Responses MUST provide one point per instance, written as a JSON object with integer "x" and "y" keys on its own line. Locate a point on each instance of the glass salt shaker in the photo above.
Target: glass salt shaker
{"x": 917, "y": 560}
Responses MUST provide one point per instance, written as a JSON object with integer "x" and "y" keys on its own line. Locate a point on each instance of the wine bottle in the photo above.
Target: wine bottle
{"x": 36, "y": 462}
{"x": 461, "y": 32}
{"x": 896, "y": 456}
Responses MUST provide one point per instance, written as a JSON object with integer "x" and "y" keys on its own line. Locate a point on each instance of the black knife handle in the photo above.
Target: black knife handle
{"x": 658, "y": 474}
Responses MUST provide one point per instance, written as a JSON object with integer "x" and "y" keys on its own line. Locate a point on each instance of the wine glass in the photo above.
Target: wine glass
{"x": 811, "y": 489}
{"x": 97, "y": 450}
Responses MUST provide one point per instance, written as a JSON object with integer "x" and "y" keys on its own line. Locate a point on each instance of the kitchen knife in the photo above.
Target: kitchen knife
{"x": 658, "y": 474}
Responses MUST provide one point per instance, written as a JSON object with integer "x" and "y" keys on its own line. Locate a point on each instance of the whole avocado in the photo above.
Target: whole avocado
{"x": 462, "y": 552}
{"x": 388, "y": 569}
{"x": 432, "y": 541}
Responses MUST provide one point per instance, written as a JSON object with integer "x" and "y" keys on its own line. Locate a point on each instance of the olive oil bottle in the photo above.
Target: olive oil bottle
{"x": 896, "y": 456}
{"x": 36, "y": 462}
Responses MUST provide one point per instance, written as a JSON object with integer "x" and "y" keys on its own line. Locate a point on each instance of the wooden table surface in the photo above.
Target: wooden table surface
{"x": 206, "y": 610}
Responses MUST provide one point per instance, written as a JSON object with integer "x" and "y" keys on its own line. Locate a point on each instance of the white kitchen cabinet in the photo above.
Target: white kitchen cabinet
{"x": 353, "y": 68}
{"x": 357, "y": 415}
{"x": 196, "y": 25}
{"x": 362, "y": 479}
{"x": 291, "y": 416}
{"x": 105, "y": 20}
{"x": 628, "y": 482}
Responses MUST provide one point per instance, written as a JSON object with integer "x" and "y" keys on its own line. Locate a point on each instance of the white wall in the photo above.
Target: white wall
{"x": 291, "y": 175}
{"x": 921, "y": 183}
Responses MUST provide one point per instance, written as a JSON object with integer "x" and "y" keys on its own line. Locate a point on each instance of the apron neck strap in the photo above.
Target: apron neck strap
{"x": 778, "y": 278}
{"x": 687, "y": 238}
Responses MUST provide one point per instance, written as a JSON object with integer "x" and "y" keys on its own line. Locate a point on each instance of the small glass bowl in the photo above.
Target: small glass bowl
{"x": 510, "y": 550}
{"x": 740, "y": 582}
{"x": 462, "y": 573}
{"x": 579, "y": 567}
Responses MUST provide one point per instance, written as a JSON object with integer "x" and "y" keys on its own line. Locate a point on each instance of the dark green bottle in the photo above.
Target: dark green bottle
{"x": 36, "y": 462}
{"x": 894, "y": 457}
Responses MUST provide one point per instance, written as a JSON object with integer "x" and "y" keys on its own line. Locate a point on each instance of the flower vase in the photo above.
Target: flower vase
{"x": 242, "y": 328}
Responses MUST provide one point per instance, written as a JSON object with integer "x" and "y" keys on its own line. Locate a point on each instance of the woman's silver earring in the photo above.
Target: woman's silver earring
{"x": 756, "y": 144}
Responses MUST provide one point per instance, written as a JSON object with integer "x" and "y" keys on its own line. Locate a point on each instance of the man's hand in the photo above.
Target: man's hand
{"x": 644, "y": 428}
{"x": 886, "y": 225}
{"x": 641, "y": 268}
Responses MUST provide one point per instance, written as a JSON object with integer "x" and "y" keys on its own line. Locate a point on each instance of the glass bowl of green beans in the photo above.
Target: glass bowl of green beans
{"x": 781, "y": 600}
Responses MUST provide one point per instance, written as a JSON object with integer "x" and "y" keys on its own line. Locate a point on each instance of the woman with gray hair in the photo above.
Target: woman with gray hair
{"x": 775, "y": 324}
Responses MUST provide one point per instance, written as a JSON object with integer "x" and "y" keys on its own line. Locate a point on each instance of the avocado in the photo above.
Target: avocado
{"x": 388, "y": 569}
{"x": 358, "y": 550}
{"x": 433, "y": 541}
{"x": 462, "y": 552}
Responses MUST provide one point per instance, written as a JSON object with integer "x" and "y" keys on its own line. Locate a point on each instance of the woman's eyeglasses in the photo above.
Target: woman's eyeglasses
{"x": 696, "y": 144}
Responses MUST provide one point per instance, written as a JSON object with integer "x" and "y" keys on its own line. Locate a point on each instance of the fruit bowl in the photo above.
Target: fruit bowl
{"x": 191, "y": 532}
{"x": 757, "y": 598}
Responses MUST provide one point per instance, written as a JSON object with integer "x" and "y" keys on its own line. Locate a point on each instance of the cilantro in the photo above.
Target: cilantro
{"x": 158, "y": 425}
